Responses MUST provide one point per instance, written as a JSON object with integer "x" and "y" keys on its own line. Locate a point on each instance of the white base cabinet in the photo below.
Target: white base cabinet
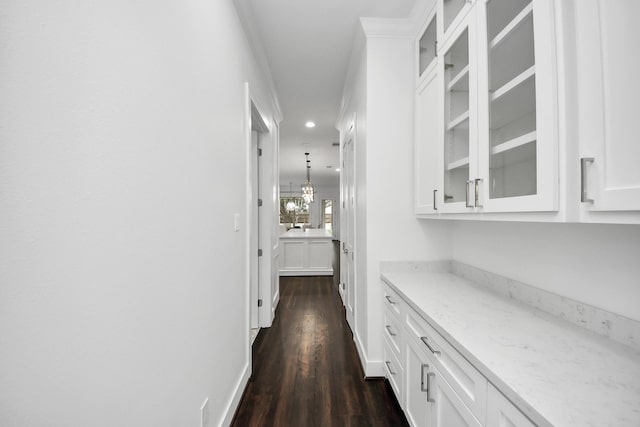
{"x": 449, "y": 410}
{"x": 308, "y": 253}
{"x": 501, "y": 413}
{"x": 434, "y": 384}
{"x": 417, "y": 408}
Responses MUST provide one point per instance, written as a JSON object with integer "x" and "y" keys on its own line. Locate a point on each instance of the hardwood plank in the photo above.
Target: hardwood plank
{"x": 306, "y": 371}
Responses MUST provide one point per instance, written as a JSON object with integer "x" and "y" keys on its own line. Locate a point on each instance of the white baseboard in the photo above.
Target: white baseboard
{"x": 235, "y": 398}
{"x": 372, "y": 368}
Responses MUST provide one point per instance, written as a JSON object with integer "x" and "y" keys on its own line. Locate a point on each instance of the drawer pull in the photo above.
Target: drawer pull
{"x": 429, "y": 376}
{"x": 389, "y": 330}
{"x": 390, "y": 370}
{"x": 389, "y": 299}
{"x": 422, "y": 382}
{"x": 424, "y": 340}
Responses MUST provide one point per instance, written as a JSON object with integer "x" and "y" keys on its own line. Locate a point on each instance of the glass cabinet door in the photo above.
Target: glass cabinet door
{"x": 512, "y": 99}
{"x": 452, "y": 13}
{"x": 427, "y": 46}
{"x": 455, "y": 69}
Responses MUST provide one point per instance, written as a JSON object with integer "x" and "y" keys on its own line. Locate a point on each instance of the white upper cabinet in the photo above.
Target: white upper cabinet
{"x": 426, "y": 151}
{"x": 459, "y": 143}
{"x": 497, "y": 110}
{"x": 608, "y": 58}
{"x": 518, "y": 112}
{"x": 427, "y": 118}
{"x": 453, "y": 12}
{"x": 428, "y": 46}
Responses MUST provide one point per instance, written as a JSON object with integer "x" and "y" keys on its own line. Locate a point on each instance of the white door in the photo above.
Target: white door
{"x": 255, "y": 268}
{"x": 348, "y": 234}
{"x": 608, "y": 90}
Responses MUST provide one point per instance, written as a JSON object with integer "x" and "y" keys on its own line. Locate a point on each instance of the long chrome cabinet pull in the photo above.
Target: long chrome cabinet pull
{"x": 477, "y": 190}
{"x": 422, "y": 382}
{"x": 424, "y": 340}
{"x": 389, "y": 330}
{"x": 389, "y": 299}
{"x": 429, "y": 398}
{"x": 584, "y": 198}
{"x": 466, "y": 194}
{"x": 435, "y": 207}
{"x": 391, "y": 371}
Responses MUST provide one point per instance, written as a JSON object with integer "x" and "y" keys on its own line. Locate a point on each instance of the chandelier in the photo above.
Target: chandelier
{"x": 307, "y": 189}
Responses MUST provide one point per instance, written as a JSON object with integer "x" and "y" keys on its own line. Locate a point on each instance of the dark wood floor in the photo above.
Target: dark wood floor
{"x": 306, "y": 370}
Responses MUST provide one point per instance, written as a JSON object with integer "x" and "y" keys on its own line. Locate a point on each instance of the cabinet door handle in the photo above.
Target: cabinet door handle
{"x": 389, "y": 330}
{"x": 424, "y": 340}
{"x": 584, "y": 198}
{"x": 466, "y": 194}
{"x": 435, "y": 208}
{"x": 391, "y": 371}
{"x": 422, "y": 382}
{"x": 429, "y": 376}
{"x": 389, "y": 299}
{"x": 477, "y": 182}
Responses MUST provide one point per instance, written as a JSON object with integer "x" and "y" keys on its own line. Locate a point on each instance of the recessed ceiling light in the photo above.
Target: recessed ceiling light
{"x": 337, "y": 169}
{"x": 310, "y": 124}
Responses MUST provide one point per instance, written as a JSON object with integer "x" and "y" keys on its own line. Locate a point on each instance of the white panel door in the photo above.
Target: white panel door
{"x": 348, "y": 255}
{"x": 609, "y": 89}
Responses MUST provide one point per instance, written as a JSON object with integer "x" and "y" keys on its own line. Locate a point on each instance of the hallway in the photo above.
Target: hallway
{"x": 306, "y": 370}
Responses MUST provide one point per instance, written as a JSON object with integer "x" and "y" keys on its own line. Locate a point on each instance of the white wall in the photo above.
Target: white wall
{"x": 593, "y": 263}
{"x": 380, "y": 90}
{"x": 122, "y": 162}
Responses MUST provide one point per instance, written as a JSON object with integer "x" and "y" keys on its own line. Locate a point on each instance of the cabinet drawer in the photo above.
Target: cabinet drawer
{"x": 501, "y": 412}
{"x": 393, "y": 332}
{"x": 392, "y": 301}
{"x": 463, "y": 378}
{"x": 393, "y": 370}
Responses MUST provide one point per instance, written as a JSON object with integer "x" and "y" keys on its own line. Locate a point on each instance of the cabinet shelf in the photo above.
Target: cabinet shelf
{"x": 514, "y": 143}
{"x": 512, "y": 26}
{"x": 515, "y": 82}
{"x": 458, "y": 164}
{"x": 460, "y": 81}
{"x": 459, "y": 122}
{"x": 514, "y": 104}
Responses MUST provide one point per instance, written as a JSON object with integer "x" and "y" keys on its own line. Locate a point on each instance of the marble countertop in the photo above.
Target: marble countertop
{"x": 314, "y": 233}
{"x": 557, "y": 373}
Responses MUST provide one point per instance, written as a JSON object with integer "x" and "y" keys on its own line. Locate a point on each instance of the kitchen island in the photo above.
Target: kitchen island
{"x": 306, "y": 253}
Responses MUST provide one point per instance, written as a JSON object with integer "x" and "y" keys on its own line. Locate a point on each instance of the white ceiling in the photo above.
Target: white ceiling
{"x": 308, "y": 45}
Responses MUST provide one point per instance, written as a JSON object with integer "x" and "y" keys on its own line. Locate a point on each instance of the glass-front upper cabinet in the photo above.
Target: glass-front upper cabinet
{"x": 516, "y": 137}
{"x": 427, "y": 46}
{"x": 459, "y": 147}
{"x": 453, "y": 13}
